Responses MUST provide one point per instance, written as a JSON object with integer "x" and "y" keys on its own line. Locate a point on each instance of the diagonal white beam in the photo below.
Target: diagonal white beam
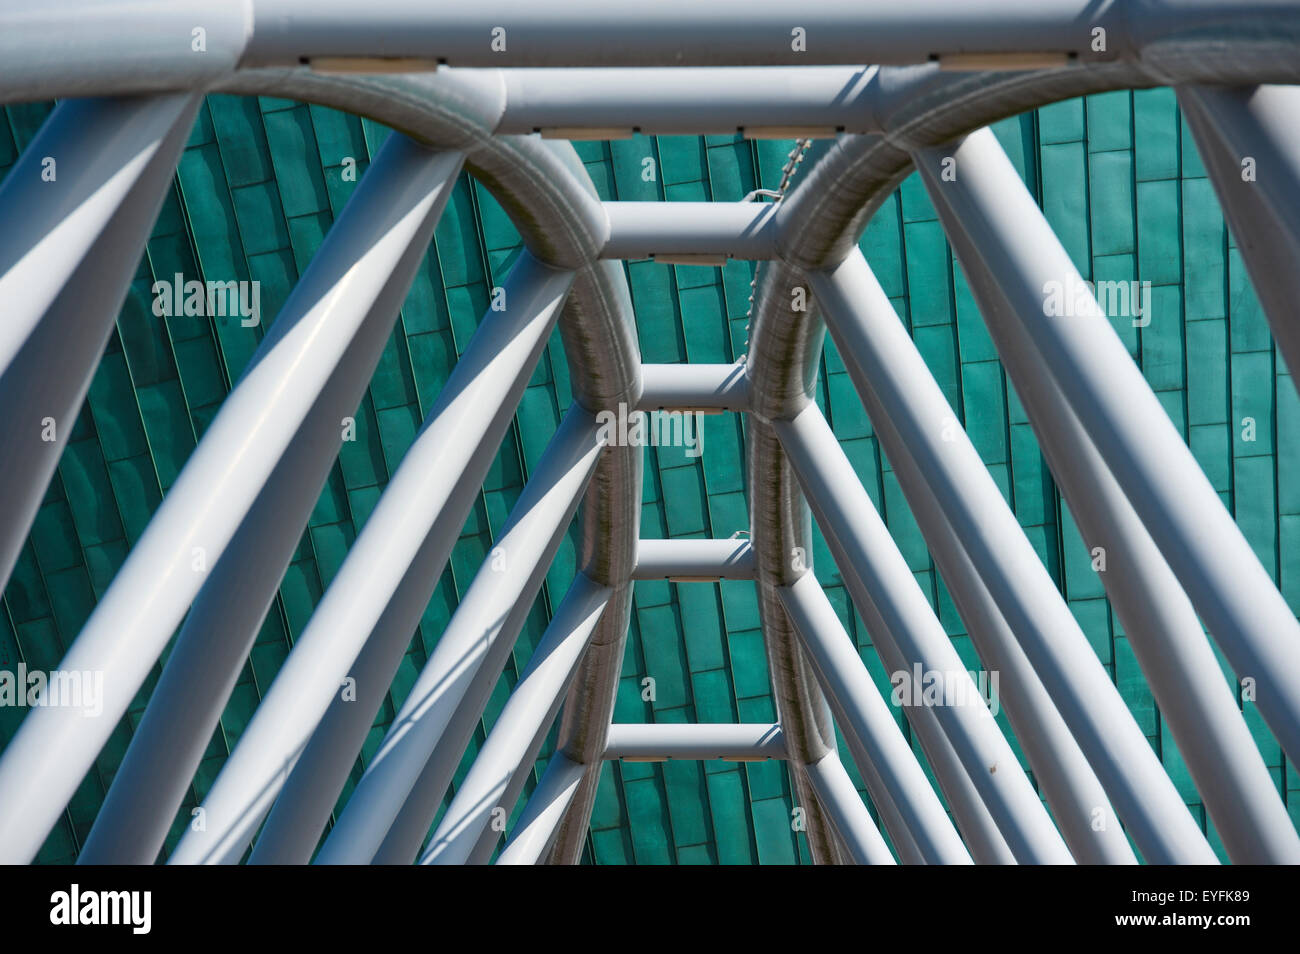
{"x": 219, "y": 631}
{"x": 867, "y": 722}
{"x": 904, "y": 844}
{"x": 883, "y": 359}
{"x": 538, "y": 823}
{"x": 78, "y": 207}
{"x": 413, "y": 527}
{"x": 1219, "y": 571}
{"x": 410, "y": 829}
{"x": 977, "y": 827}
{"x": 608, "y": 526}
{"x": 1078, "y": 801}
{"x": 883, "y": 587}
{"x": 461, "y": 672}
{"x": 981, "y": 833}
{"x": 847, "y": 813}
{"x": 987, "y": 844}
{"x": 486, "y": 843}
{"x": 1248, "y": 139}
{"x": 1158, "y": 618}
{"x": 348, "y": 280}
{"x": 512, "y": 745}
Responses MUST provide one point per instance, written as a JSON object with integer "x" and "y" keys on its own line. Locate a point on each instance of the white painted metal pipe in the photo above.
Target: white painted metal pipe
{"x": 84, "y": 47}
{"x": 1158, "y": 618}
{"x": 1078, "y": 801}
{"x": 867, "y": 717}
{"x": 1248, "y": 140}
{"x": 79, "y": 205}
{"x": 410, "y": 829}
{"x": 703, "y": 233}
{"x": 536, "y": 829}
{"x": 219, "y": 631}
{"x": 686, "y": 559}
{"x": 219, "y": 484}
{"x": 904, "y": 844}
{"x": 985, "y": 840}
{"x": 418, "y": 517}
{"x": 694, "y": 387}
{"x": 1231, "y": 590}
{"x": 783, "y": 100}
{"x": 872, "y": 340}
{"x": 848, "y": 814}
{"x": 511, "y": 746}
{"x": 978, "y": 829}
{"x": 92, "y": 47}
{"x": 658, "y": 742}
{"x": 685, "y": 33}
{"x": 876, "y": 574}
{"x": 477, "y": 642}
{"x": 467, "y": 661}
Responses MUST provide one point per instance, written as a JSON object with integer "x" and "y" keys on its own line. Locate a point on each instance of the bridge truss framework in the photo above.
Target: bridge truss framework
{"x": 472, "y": 88}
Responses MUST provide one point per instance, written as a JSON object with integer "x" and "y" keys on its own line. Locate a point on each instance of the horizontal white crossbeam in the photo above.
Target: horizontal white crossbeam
{"x": 690, "y": 233}
{"x": 689, "y": 33}
{"x": 694, "y": 387}
{"x": 760, "y": 102}
{"x": 730, "y": 742}
{"x": 84, "y": 47}
{"x": 686, "y": 560}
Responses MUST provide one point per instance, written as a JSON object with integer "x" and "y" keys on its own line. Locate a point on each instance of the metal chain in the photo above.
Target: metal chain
{"x": 776, "y": 195}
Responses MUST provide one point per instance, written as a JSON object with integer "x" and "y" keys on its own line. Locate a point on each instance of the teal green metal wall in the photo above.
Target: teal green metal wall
{"x": 255, "y": 193}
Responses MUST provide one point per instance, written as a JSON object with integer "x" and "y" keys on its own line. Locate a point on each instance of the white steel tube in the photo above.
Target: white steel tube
{"x": 1221, "y": 574}
{"x": 78, "y": 207}
{"x": 1158, "y": 618}
{"x": 822, "y": 99}
{"x": 877, "y": 575}
{"x": 477, "y": 642}
{"x": 541, "y": 817}
{"x": 694, "y": 387}
{"x": 511, "y": 746}
{"x": 658, "y": 742}
{"x": 848, "y": 814}
{"x": 349, "y": 278}
{"x": 866, "y": 716}
{"x": 685, "y": 33}
{"x": 686, "y": 559}
{"x": 419, "y": 516}
{"x": 677, "y": 231}
{"x": 211, "y": 649}
{"x": 884, "y": 359}
{"x": 467, "y": 660}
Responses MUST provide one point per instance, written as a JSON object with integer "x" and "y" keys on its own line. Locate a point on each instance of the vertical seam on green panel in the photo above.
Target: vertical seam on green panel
{"x": 171, "y": 347}
{"x": 63, "y": 650}
{"x": 1137, "y": 233}
{"x": 238, "y": 230}
{"x": 94, "y": 426}
{"x": 178, "y": 186}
